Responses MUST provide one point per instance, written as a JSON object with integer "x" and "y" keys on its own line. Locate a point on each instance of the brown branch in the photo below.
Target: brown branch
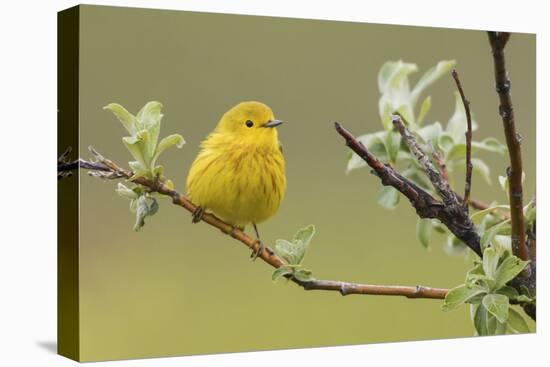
{"x": 451, "y": 213}
{"x": 498, "y": 41}
{"x": 469, "y": 166}
{"x": 107, "y": 169}
{"x": 440, "y": 185}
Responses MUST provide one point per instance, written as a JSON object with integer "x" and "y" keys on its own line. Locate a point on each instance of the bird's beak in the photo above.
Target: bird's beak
{"x": 272, "y": 123}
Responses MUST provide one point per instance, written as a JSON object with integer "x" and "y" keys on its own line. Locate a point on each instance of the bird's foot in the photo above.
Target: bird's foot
{"x": 255, "y": 253}
{"x": 197, "y": 214}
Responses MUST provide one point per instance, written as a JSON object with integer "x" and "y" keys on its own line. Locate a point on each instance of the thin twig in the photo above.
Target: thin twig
{"x": 106, "y": 168}
{"x": 469, "y": 166}
{"x": 498, "y": 41}
{"x": 451, "y": 213}
{"x": 439, "y": 183}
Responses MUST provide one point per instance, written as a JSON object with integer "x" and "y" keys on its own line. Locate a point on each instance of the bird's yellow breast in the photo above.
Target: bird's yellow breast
{"x": 241, "y": 180}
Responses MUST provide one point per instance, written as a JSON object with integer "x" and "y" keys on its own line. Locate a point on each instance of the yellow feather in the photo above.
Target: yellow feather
{"x": 239, "y": 173}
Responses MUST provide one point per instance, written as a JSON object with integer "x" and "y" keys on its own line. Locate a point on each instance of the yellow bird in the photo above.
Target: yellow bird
{"x": 239, "y": 173}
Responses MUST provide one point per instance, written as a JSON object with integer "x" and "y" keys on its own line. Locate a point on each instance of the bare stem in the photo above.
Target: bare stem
{"x": 514, "y": 172}
{"x": 469, "y": 166}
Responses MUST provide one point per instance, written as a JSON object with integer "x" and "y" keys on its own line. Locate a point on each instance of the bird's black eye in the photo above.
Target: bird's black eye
{"x": 249, "y": 123}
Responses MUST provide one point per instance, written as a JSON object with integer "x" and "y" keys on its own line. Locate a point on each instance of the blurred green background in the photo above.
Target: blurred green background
{"x": 176, "y": 288}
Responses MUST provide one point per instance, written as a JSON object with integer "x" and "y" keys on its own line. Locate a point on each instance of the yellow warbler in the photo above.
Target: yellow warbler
{"x": 239, "y": 173}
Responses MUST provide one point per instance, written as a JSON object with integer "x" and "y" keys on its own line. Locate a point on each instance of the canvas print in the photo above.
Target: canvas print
{"x": 232, "y": 183}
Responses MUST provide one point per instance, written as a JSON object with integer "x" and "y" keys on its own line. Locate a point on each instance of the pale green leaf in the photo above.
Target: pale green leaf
{"x": 453, "y": 246}
{"x": 460, "y": 295}
{"x": 440, "y": 69}
{"x": 481, "y": 213}
{"x": 128, "y": 120}
{"x": 392, "y": 143}
{"x": 445, "y": 142}
{"x": 281, "y": 272}
{"x": 392, "y": 74}
{"x": 490, "y": 262}
{"x": 388, "y": 197}
{"x": 481, "y": 168}
{"x": 125, "y": 192}
{"x": 516, "y": 322}
{"x": 497, "y": 305}
{"x": 491, "y": 232}
{"x": 301, "y": 241}
{"x": 424, "y": 109}
{"x": 490, "y": 145}
{"x": 374, "y": 144}
{"x": 167, "y": 142}
{"x": 429, "y": 132}
{"x": 146, "y": 206}
{"x": 149, "y": 118}
{"x": 286, "y": 251}
{"x": 457, "y": 151}
{"x": 424, "y": 231}
{"x": 481, "y": 321}
{"x": 304, "y": 275}
{"x": 508, "y": 270}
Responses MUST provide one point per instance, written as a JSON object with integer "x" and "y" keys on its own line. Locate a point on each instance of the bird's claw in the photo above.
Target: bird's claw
{"x": 255, "y": 253}
{"x": 197, "y": 214}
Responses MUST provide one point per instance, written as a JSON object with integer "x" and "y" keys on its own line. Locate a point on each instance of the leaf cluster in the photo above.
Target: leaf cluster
{"x": 293, "y": 253}
{"x": 489, "y": 296}
{"x": 144, "y": 146}
{"x": 446, "y": 141}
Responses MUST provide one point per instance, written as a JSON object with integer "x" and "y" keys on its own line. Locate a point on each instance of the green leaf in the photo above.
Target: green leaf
{"x": 393, "y": 74}
{"x": 424, "y": 109}
{"x": 481, "y": 213}
{"x": 490, "y": 145}
{"x": 424, "y": 231}
{"x": 508, "y": 270}
{"x": 454, "y": 246}
{"x": 430, "y": 76}
{"x": 460, "y": 295}
{"x": 286, "y": 251}
{"x": 128, "y": 120}
{"x": 146, "y": 206}
{"x": 482, "y": 169}
{"x": 393, "y": 83}
{"x": 509, "y": 292}
{"x": 137, "y": 146}
{"x": 302, "y": 239}
{"x": 392, "y": 143}
{"x": 490, "y": 262}
{"x": 149, "y": 118}
{"x": 516, "y": 322}
{"x": 457, "y": 151}
{"x": 388, "y": 197}
{"x": 375, "y": 144}
{"x": 489, "y": 234}
{"x": 497, "y": 305}
{"x": 281, "y": 272}
{"x": 445, "y": 142}
{"x": 304, "y": 275}
{"x": 480, "y": 321}
{"x": 167, "y": 142}
{"x": 125, "y": 192}
{"x": 430, "y": 132}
